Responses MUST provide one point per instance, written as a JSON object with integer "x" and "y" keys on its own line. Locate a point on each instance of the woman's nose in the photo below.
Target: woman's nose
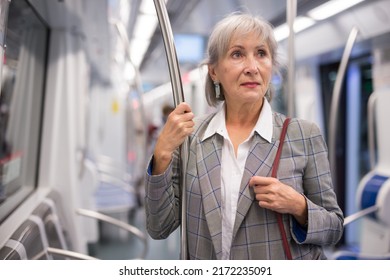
{"x": 251, "y": 65}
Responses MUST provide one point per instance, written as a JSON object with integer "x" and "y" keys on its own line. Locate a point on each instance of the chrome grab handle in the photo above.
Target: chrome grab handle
{"x": 3, "y": 30}
{"x": 178, "y": 97}
{"x": 336, "y": 99}
{"x": 291, "y": 15}
{"x": 371, "y": 128}
{"x": 122, "y": 32}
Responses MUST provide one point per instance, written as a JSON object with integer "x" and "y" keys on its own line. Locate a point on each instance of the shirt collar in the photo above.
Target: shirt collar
{"x": 263, "y": 126}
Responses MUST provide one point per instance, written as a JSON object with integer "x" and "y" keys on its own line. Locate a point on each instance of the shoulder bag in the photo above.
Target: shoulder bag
{"x": 275, "y": 165}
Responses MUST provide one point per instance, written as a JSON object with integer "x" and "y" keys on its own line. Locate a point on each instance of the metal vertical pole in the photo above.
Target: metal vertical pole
{"x": 178, "y": 97}
{"x": 4, "y": 4}
{"x": 291, "y": 14}
{"x": 371, "y": 128}
{"x": 336, "y": 100}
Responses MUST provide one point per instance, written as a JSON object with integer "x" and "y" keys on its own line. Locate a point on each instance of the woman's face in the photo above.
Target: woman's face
{"x": 245, "y": 70}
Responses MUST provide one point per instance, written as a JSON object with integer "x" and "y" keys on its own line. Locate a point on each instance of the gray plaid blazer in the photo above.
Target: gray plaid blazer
{"x": 303, "y": 165}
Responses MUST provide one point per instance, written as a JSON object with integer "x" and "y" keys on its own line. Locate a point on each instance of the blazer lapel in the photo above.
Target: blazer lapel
{"x": 259, "y": 162}
{"x": 209, "y": 171}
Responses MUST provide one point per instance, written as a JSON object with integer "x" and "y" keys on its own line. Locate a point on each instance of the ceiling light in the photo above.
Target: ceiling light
{"x": 137, "y": 50}
{"x": 124, "y": 11}
{"x": 302, "y": 23}
{"x": 144, "y": 29}
{"x": 147, "y": 7}
{"x": 331, "y": 8}
{"x": 145, "y": 26}
{"x": 282, "y": 31}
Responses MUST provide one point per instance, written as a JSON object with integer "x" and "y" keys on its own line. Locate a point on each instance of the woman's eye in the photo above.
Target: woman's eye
{"x": 262, "y": 53}
{"x": 236, "y": 54}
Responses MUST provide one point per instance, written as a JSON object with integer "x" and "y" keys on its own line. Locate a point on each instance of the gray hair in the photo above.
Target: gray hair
{"x": 219, "y": 41}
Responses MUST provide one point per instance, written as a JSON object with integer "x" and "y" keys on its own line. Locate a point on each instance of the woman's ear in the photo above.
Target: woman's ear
{"x": 213, "y": 75}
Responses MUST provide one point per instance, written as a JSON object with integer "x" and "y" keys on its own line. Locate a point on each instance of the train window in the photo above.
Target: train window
{"x": 190, "y": 48}
{"x": 21, "y": 101}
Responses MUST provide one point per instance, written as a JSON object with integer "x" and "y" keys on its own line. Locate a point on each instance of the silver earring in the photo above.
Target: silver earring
{"x": 268, "y": 92}
{"x": 217, "y": 90}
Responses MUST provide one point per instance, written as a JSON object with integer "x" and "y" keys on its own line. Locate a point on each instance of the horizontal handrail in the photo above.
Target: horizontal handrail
{"x": 70, "y": 254}
{"x": 360, "y": 214}
{"x": 105, "y": 218}
{"x": 360, "y": 255}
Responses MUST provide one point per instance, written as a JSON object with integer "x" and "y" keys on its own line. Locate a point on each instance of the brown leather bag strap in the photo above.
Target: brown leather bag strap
{"x": 279, "y": 152}
{"x": 275, "y": 166}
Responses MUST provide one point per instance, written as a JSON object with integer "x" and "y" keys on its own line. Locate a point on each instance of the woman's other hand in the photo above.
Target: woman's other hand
{"x": 276, "y": 196}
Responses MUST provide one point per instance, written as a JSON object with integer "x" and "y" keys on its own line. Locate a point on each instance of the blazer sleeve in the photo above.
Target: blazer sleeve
{"x": 325, "y": 218}
{"x": 162, "y": 200}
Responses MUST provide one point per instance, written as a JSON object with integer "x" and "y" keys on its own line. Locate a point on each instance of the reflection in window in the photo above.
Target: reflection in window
{"x": 21, "y": 101}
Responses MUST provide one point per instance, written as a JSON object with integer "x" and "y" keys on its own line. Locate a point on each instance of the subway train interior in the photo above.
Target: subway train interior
{"x": 84, "y": 84}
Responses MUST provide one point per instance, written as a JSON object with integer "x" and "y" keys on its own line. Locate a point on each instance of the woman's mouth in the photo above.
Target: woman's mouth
{"x": 250, "y": 84}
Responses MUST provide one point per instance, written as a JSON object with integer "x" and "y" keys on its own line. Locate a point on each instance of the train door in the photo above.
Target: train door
{"x": 352, "y": 151}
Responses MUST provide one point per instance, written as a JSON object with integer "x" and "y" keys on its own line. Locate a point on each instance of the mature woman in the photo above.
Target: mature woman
{"x": 232, "y": 200}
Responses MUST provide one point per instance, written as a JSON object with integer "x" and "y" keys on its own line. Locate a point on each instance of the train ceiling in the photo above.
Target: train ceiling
{"x": 195, "y": 18}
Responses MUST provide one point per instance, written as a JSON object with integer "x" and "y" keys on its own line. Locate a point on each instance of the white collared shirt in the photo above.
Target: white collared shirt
{"x": 232, "y": 167}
